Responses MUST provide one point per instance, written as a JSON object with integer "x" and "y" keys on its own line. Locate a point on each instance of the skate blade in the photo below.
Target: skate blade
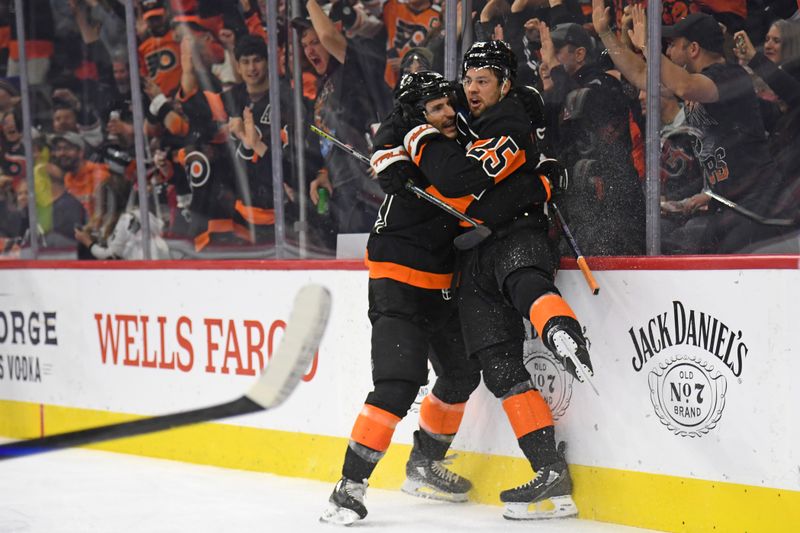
{"x": 339, "y": 516}
{"x": 421, "y": 490}
{"x": 556, "y": 507}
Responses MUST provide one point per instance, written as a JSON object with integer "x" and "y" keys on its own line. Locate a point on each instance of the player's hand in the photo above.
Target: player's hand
{"x": 556, "y": 175}
{"x": 405, "y": 118}
{"x": 393, "y": 180}
{"x": 394, "y": 169}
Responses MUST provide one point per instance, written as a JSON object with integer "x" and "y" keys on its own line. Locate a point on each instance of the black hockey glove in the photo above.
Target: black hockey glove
{"x": 531, "y": 100}
{"x": 394, "y": 170}
{"x": 556, "y": 175}
{"x": 405, "y": 118}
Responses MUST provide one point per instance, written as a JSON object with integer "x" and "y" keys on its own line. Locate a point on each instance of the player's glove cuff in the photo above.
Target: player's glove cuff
{"x": 415, "y": 140}
{"x": 383, "y": 159}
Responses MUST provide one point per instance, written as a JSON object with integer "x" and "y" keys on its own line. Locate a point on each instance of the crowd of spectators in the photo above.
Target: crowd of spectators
{"x": 731, "y": 125}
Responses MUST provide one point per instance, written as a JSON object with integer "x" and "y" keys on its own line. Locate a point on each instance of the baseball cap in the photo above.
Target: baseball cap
{"x": 69, "y": 136}
{"x": 571, "y": 33}
{"x": 301, "y": 24}
{"x": 701, "y": 28}
{"x": 153, "y": 8}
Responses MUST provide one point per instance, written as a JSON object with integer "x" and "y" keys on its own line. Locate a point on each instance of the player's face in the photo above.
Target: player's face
{"x": 482, "y": 88}
{"x": 253, "y": 70}
{"x": 440, "y": 114}
{"x": 772, "y": 45}
{"x": 316, "y": 54}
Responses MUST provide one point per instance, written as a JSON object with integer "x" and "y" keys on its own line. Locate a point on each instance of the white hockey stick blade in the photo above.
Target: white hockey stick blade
{"x": 306, "y": 324}
{"x": 562, "y": 347}
{"x": 300, "y": 342}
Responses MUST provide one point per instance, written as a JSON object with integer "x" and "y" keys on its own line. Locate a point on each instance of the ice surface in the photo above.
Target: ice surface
{"x": 86, "y": 491}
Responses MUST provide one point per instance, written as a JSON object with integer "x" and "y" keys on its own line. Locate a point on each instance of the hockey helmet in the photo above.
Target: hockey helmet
{"x": 492, "y": 54}
{"x": 416, "y": 88}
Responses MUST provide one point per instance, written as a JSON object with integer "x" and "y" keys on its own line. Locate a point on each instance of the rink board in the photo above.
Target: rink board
{"x": 696, "y": 361}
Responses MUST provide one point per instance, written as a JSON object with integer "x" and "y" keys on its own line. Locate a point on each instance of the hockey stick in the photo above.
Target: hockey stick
{"x": 300, "y": 342}
{"x": 465, "y": 241}
{"x": 782, "y": 222}
{"x": 582, "y": 264}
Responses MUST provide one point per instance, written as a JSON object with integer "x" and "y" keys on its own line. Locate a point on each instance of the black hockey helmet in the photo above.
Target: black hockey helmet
{"x": 416, "y": 88}
{"x": 493, "y": 54}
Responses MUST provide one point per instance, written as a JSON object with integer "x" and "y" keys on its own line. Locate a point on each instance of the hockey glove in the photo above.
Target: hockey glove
{"x": 532, "y": 101}
{"x": 394, "y": 170}
{"x": 556, "y": 175}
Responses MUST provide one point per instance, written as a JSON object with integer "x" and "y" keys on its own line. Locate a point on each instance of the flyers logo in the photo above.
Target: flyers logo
{"x": 408, "y": 35}
{"x": 499, "y": 156}
{"x": 161, "y": 60}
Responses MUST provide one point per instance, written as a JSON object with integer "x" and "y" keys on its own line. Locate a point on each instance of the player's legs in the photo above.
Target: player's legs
{"x": 399, "y": 366}
{"x": 440, "y": 416}
{"x": 548, "y": 495}
{"x": 535, "y": 297}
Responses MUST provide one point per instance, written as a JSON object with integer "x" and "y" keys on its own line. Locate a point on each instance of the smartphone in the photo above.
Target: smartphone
{"x": 739, "y": 41}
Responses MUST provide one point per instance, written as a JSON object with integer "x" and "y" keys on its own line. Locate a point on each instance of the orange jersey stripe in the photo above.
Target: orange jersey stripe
{"x": 408, "y": 275}
{"x": 374, "y": 428}
{"x": 527, "y": 412}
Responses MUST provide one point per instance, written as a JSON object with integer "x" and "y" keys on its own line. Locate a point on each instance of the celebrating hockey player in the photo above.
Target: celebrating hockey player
{"x": 511, "y": 273}
{"x": 411, "y": 260}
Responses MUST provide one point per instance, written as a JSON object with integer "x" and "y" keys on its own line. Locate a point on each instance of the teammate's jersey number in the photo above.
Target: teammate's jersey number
{"x": 499, "y": 156}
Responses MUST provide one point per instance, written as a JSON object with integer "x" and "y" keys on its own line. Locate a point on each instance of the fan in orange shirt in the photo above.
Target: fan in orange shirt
{"x": 81, "y": 177}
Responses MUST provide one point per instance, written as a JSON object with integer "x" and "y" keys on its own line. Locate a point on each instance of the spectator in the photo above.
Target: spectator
{"x": 407, "y": 25}
{"x": 39, "y": 37}
{"x": 13, "y": 152}
{"x": 71, "y": 114}
{"x": 344, "y": 109}
{"x": 195, "y": 120}
{"x": 248, "y": 107}
{"x": 67, "y": 211}
{"x": 785, "y": 89}
{"x": 733, "y": 149}
{"x": 116, "y": 232}
{"x": 605, "y": 203}
{"x": 78, "y": 176}
{"x": 159, "y": 49}
{"x": 9, "y": 94}
{"x": 416, "y": 60}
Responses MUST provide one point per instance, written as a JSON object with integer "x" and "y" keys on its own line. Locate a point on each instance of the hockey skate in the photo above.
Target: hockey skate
{"x": 547, "y": 495}
{"x": 563, "y": 337}
{"x": 429, "y": 478}
{"x": 346, "y": 504}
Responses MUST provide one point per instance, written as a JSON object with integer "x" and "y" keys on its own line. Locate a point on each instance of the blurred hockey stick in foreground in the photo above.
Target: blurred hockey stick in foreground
{"x": 465, "y": 241}
{"x": 587, "y": 273}
{"x": 290, "y": 361}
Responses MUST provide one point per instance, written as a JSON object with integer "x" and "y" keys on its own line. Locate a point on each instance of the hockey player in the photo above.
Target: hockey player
{"x": 511, "y": 273}
{"x": 411, "y": 260}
